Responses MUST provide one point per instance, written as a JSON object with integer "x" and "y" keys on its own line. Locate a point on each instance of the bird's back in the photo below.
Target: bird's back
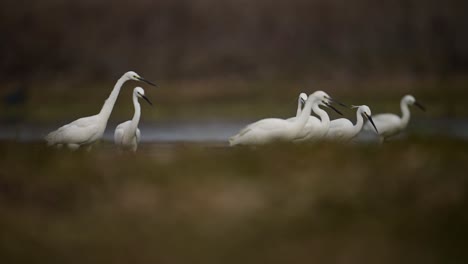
{"x": 387, "y": 124}
{"x": 81, "y": 131}
{"x": 261, "y": 132}
{"x": 339, "y": 128}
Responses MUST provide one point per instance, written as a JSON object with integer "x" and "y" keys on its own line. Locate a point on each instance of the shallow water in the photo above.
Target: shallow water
{"x": 220, "y": 131}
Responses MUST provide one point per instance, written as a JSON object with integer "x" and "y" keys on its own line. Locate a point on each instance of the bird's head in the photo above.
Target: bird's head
{"x": 324, "y": 99}
{"x": 410, "y": 100}
{"x": 303, "y": 99}
{"x": 366, "y": 112}
{"x": 140, "y": 93}
{"x": 131, "y": 75}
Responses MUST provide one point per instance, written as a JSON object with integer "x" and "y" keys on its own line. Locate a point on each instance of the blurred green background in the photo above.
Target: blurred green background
{"x": 232, "y": 59}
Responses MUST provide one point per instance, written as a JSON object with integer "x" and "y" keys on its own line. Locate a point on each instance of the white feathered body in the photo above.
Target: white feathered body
{"x": 264, "y": 131}
{"x": 83, "y": 131}
{"x": 341, "y": 129}
{"x": 387, "y": 124}
{"x": 126, "y": 136}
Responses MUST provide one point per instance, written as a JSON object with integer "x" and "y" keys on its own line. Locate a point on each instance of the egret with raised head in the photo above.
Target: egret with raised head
{"x": 87, "y": 130}
{"x": 391, "y": 124}
{"x": 127, "y": 135}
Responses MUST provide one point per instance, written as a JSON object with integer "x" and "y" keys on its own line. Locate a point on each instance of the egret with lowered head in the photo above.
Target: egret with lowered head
{"x": 87, "y": 130}
{"x": 391, "y": 124}
{"x": 343, "y": 130}
{"x": 127, "y": 135}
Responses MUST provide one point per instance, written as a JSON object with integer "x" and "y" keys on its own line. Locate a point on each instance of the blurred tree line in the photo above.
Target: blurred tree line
{"x": 261, "y": 39}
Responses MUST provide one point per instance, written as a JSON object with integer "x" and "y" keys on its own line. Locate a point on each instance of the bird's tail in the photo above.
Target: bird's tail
{"x": 50, "y": 138}
{"x": 232, "y": 141}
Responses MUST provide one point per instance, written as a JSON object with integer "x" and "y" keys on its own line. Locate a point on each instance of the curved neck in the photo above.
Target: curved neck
{"x": 106, "y": 109}
{"x": 405, "y": 113}
{"x": 302, "y": 119}
{"x": 322, "y": 114}
{"x": 136, "y": 115}
{"x": 299, "y": 109}
{"x": 359, "y": 123}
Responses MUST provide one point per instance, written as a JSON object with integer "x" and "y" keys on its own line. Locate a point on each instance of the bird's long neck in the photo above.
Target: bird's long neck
{"x": 136, "y": 115}
{"x": 359, "y": 123}
{"x": 322, "y": 114}
{"x": 301, "y": 121}
{"x": 299, "y": 107}
{"x": 106, "y": 109}
{"x": 405, "y": 113}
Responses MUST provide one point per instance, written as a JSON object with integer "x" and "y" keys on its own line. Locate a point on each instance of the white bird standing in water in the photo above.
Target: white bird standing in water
{"x": 127, "y": 134}
{"x": 276, "y": 129}
{"x": 87, "y": 130}
{"x": 391, "y": 124}
{"x": 342, "y": 129}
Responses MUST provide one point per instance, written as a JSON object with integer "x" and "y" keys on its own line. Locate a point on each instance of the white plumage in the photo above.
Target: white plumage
{"x": 343, "y": 129}
{"x": 87, "y": 130}
{"x": 127, "y": 135}
{"x": 276, "y": 129}
{"x": 391, "y": 124}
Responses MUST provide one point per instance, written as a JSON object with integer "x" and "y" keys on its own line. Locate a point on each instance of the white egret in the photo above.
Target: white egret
{"x": 300, "y": 103}
{"x": 127, "y": 134}
{"x": 342, "y": 129}
{"x": 315, "y": 128}
{"x": 276, "y": 129}
{"x": 391, "y": 124}
{"x": 87, "y": 130}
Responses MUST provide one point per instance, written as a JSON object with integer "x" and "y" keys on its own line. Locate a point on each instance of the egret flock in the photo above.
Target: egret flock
{"x": 304, "y": 127}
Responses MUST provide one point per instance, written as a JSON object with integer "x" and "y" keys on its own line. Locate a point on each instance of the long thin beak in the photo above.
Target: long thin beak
{"x": 335, "y": 101}
{"x": 146, "y": 81}
{"x": 303, "y": 102}
{"x": 334, "y": 109}
{"x": 420, "y": 106}
{"x": 372, "y": 122}
{"x": 147, "y": 100}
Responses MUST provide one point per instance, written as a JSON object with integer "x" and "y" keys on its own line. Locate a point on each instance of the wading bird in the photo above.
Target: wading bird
{"x": 343, "y": 130}
{"x": 127, "y": 134}
{"x": 276, "y": 129}
{"x": 87, "y": 130}
{"x": 391, "y": 124}
{"x": 316, "y": 129}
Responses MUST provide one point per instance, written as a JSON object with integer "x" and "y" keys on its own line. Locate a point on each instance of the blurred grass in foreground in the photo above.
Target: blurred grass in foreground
{"x": 404, "y": 202}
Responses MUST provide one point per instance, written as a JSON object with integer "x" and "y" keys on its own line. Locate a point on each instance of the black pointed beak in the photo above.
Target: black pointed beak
{"x": 303, "y": 102}
{"x": 335, "y": 101}
{"x": 145, "y": 81}
{"x": 372, "y": 122}
{"x": 334, "y": 109}
{"x": 420, "y": 106}
{"x": 146, "y": 99}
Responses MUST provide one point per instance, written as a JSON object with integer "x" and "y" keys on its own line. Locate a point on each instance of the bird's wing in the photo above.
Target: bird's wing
{"x": 118, "y": 135}
{"x": 341, "y": 123}
{"x": 268, "y": 124}
{"x": 383, "y": 122}
{"x": 74, "y": 133}
{"x": 120, "y": 132}
{"x": 138, "y": 135}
